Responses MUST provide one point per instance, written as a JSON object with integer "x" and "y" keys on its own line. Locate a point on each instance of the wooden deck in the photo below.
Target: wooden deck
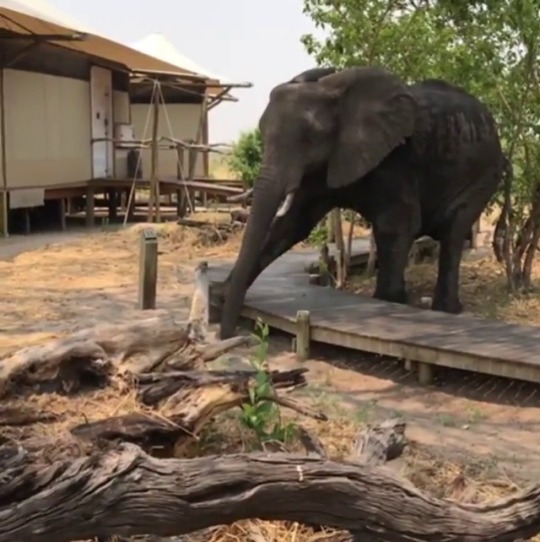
{"x": 425, "y": 338}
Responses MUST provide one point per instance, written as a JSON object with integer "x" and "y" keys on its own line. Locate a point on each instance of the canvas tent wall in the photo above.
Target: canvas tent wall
{"x": 50, "y": 110}
{"x": 47, "y": 122}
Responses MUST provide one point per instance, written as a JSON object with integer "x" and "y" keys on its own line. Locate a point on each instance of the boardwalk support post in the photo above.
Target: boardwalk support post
{"x": 425, "y": 373}
{"x": 148, "y": 256}
{"x": 302, "y": 335}
{"x": 411, "y": 365}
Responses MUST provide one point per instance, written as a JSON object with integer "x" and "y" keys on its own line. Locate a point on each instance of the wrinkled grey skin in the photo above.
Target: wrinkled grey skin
{"x": 413, "y": 160}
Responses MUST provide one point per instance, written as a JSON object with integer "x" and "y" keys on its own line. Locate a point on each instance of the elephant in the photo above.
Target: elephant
{"x": 419, "y": 159}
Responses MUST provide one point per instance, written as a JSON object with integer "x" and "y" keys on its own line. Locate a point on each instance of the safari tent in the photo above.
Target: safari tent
{"x": 63, "y": 90}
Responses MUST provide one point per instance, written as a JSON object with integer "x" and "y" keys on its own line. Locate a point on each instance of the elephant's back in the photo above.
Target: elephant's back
{"x": 450, "y": 119}
{"x": 456, "y": 149}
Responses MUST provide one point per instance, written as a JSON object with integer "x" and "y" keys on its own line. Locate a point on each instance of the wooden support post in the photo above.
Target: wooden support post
{"x": 411, "y": 365}
{"x": 148, "y": 267}
{"x": 302, "y": 335}
{"x": 474, "y": 234}
{"x": 112, "y": 204}
{"x": 4, "y": 214}
{"x": 154, "y": 176}
{"x": 181, "y": 203}
{"x": 27, "y": 221}
{"x": 62, "y": 213}
{"x": 90, "y": 206}
{"x": 425, "y": 373}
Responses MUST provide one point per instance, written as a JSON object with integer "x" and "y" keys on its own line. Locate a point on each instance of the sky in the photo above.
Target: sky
{"x": 243, "y": 40}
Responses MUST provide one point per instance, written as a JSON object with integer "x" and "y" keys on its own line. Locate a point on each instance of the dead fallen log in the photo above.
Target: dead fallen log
{"x": 156, "y": 387}
{"x": 211, "y": 233}
{"x": 93, "y": 357}
{"x": 375, "y": 445}
{"x": 240, "y": 198}
{"x": 97, "y": 496}
{"x": 240, "y": 215}
{"x": 187, "y": 402}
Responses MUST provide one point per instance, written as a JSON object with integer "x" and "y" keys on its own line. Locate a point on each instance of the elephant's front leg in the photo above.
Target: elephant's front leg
{"x": 288, "y": 230}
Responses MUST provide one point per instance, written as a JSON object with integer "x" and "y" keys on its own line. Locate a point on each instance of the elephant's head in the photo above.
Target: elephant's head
{"x": 347, "y": 121}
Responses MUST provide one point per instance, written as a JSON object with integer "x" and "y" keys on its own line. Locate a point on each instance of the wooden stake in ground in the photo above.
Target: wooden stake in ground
{"x": 148, "y": 269}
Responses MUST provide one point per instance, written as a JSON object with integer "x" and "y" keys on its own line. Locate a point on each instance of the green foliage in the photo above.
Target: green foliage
{"x": 318, "y": 235}
{"x": 489, "y": 47}
{"x": 246, "y": 156}
{"x": 260, "y": 414}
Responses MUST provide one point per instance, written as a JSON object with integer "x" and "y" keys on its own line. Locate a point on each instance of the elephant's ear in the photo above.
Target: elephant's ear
{"x": 375, "y": 114}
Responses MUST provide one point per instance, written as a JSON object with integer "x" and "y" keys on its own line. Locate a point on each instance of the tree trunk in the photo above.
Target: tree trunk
{"x": 341, "y": 269}
{"x": 372, "y": 258}
{"x": 125, "y": 492}
{"x": 330, "y": 231}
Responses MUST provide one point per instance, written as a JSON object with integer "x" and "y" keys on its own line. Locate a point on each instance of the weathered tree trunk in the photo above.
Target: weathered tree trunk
{"x": 241, "y": 198}
{"x": 126, "y": 492}
{"x": 330, "y": 230}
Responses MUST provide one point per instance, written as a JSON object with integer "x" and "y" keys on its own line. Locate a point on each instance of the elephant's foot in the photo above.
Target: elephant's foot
{"x": 396, "y": 296}
{"x": 447, "y": 304}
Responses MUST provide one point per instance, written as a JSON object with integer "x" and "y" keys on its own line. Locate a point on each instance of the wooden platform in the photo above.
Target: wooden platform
{"x": 424, "y": 336}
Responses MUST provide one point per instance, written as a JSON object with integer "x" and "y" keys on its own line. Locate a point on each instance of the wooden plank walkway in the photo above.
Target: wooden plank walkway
{"x": 427, "y": 337}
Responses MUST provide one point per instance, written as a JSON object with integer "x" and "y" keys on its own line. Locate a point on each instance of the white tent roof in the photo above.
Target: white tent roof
{"x": 158, "y": 46}
{"x": 40, "y": 18}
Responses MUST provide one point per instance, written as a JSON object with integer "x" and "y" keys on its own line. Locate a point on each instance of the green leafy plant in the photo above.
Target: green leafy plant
{"x": 318, "y": 235}
{"x": 261, "y": 414}
{"x": 246, "y": 156}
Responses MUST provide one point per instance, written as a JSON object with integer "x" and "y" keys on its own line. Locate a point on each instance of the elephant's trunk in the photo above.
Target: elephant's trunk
{"x": 267, "y": 197}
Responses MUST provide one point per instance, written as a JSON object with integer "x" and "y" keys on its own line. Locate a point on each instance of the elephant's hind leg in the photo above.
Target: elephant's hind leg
{"x": 446, "y": 296}
{"x": 452, "y": 240}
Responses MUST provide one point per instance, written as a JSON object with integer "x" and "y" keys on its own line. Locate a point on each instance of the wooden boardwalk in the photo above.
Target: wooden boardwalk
{"x": 425, "y": 338}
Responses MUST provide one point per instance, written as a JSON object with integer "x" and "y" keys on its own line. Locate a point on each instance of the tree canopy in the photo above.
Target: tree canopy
{"x": 246, "y": 156}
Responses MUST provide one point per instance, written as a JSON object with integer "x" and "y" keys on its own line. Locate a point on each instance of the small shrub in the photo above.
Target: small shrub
{"x": 246, "y": 156}
{"x": 261, "y": 415}
{"x": 318, "y": 235}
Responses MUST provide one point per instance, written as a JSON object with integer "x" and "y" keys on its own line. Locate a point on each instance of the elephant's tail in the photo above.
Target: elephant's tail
{"x": 500, "y": 239}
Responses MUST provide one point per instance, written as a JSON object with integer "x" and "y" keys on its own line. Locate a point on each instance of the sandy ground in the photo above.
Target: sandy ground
{"x": 78, "y": 280}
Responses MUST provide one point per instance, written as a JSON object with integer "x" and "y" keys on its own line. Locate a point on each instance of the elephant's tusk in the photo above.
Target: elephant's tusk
{"x": 286, "y": 205}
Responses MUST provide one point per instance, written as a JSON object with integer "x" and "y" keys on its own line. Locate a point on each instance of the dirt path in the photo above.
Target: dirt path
{"x": 82, "y": 279}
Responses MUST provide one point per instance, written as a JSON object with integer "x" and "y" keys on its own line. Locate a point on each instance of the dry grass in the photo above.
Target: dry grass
{"x": 94, "y": 280}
